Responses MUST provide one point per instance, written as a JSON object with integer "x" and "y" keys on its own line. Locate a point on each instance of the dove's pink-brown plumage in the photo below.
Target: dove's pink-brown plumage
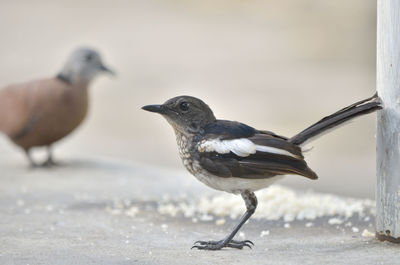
{"x": 38, "y": 113}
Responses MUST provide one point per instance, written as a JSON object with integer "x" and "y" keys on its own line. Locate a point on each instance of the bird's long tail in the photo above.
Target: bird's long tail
{"x": 329, "y": 122}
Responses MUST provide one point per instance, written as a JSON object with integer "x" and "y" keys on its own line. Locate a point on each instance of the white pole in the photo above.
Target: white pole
{"x": 388, "y": 124}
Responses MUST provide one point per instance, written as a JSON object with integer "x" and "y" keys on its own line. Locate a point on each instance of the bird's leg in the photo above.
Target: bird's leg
{"x": 49, "y": 162}
{"x": 250, "y": 200}
{"x": 28, "y": 154}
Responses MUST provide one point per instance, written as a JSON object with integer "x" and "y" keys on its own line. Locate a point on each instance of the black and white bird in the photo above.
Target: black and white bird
{"x": 233, "y": 157}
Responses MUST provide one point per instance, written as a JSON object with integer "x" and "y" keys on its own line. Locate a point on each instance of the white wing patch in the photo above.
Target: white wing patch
{"x": 274, "y": 150}
{"x": 241, "y": 147}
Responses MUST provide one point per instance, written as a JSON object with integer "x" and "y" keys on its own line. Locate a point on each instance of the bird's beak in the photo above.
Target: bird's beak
{"x": 154, "y": 108}
{"x": 106, "y": 69}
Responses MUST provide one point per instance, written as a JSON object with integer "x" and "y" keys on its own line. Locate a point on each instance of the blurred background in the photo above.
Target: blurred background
{"x": 275, "y": 65}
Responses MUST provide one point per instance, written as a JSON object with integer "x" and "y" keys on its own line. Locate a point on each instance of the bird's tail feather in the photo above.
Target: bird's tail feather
{"x": 329, "y": 122}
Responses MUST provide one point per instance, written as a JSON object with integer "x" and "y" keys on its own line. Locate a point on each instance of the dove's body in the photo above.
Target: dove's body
{"x": 41, "y": 112}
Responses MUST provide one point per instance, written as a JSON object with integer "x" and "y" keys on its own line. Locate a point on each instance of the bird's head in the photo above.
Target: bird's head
{"x": 188, "y": 115}
{"x": 82, "y": 65}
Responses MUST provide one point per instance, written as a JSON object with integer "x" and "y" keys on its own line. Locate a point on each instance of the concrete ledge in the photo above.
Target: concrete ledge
{"x": 63, "y": 216}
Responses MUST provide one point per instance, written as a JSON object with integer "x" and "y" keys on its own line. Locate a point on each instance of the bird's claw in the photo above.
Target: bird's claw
{"x": 49, "y": 163}
{"x": 217, "y": 245}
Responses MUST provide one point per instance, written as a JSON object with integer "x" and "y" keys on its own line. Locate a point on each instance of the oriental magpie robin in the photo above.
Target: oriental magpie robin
{"x": 236, "y": 158}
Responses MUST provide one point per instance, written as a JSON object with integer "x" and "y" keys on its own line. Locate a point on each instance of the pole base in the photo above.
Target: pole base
{"x": 387, "y": 237}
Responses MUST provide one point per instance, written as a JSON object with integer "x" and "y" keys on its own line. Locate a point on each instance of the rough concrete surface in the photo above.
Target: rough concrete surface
{"x": 65, "y": 215}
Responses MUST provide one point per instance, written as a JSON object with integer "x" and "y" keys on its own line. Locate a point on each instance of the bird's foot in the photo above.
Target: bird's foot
{"x": 49, "y": 163}
{"x": 217, "y": 245}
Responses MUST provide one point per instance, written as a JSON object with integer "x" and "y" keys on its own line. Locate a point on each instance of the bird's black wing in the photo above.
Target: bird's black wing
{"x": 234, "y": 155}
{"x": 226, "y": 130}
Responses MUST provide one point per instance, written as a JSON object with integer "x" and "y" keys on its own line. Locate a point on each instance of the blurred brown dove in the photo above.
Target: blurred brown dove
{"x": 41, "y": 112}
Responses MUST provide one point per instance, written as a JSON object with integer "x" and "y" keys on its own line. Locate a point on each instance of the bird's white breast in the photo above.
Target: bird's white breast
{"x": 231, "y": 184}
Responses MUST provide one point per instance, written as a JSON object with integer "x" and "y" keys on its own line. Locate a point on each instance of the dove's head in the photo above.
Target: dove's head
{"x": 82, "y": 65}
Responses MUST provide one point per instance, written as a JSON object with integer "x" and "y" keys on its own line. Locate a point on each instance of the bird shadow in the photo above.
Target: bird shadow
{"x": 77, "y": 164}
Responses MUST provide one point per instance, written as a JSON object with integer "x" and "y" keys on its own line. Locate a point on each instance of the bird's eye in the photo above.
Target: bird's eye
{"x": 88, "y": 57}
{"x": 184, "y": 106}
